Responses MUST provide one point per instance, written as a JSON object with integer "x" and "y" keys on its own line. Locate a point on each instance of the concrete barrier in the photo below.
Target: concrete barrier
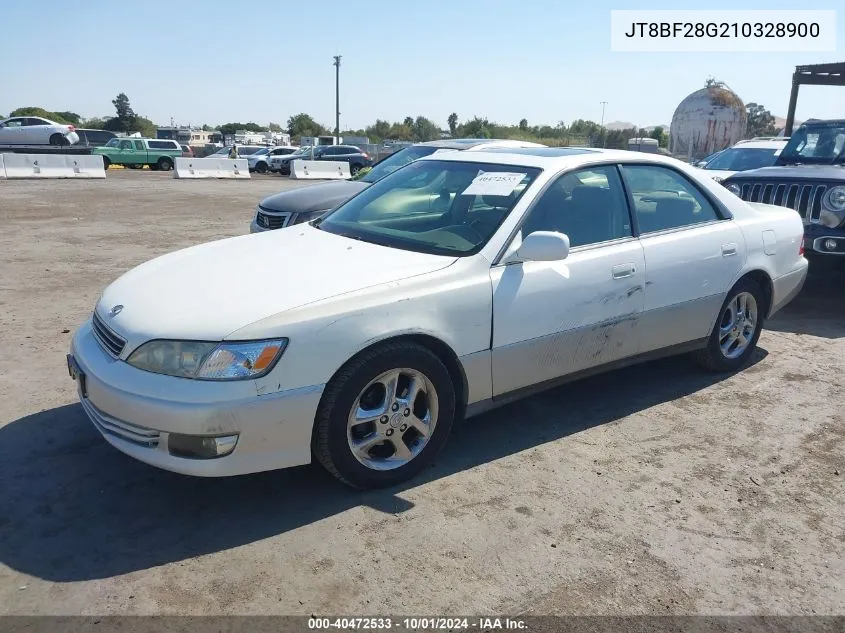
{"x": 53, "y": 166}
{"x": 319, "y": 169}
{"x": 211, "y": 168}
{"x": 2, "y": 167}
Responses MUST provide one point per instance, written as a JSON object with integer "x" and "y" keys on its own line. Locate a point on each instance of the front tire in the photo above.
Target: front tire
{"x": 164, "y": 164}
{"x": 735, "y": 334}
{"x": 384, "y": 416}
{"x": 261, "y": 168}
{"x": 106, "y": 163}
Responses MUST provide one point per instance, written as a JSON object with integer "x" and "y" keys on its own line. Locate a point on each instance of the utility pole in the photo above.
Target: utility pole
{"x": 603, "y": 131}
{"x": 337, "y": 99}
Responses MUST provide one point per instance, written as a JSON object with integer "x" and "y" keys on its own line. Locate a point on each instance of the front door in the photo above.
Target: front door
{"x": 692, "y": 255}
{"x": 556, "y": 318}
{"x": 12, "y": 132}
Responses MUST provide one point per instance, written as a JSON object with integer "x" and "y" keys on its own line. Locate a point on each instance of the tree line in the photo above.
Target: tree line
{"x": 760, "y": 122}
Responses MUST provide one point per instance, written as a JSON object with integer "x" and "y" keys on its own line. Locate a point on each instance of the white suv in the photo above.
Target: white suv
{"x": 754, "y": 153}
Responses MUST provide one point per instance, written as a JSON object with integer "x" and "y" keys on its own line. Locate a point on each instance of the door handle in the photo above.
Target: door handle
{"x": 623, "y": 270}
{"x": 728, "y": 250}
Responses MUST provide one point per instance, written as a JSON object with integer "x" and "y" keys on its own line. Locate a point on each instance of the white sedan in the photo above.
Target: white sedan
{"x": 32, "y": 130}
{"x": 529, "y": 268}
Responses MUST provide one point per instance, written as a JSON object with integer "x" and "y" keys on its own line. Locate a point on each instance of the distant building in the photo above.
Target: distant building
{"x": 189, "y": 136}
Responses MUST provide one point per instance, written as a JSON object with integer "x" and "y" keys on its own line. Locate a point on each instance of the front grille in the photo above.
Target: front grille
{"x": 805, "y": 198}
{"x": 270, "y": 220}
{"x": 108, "y": 425}
{"x": 109, "y": 341}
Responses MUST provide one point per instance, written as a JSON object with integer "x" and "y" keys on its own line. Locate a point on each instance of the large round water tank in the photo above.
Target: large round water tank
{"x": 707, "y": 121}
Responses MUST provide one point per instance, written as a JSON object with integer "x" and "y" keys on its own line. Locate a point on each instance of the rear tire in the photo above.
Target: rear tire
{"x": 261, "y": 168}
{"x": 164, "y": 164}
{"x": 737, "y": 329}
{"x": 359, "y": 406}
{"x": 354, "y": 169}
{"x": 59, "y": 139}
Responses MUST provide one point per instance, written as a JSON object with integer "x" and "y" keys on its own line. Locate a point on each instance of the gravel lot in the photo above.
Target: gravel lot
{"x": 652, "y": 490}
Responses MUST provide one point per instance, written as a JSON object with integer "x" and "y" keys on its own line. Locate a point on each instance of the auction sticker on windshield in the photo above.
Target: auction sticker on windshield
{"x": 493, "y": 183}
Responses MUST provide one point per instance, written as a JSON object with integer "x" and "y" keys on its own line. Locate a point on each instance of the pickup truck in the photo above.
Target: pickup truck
{"x": 137, "y": 152}
{"x": 808, "y": 176}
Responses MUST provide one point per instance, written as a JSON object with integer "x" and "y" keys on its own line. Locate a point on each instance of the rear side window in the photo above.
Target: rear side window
{"x": 664, "y": 199}
{"x": 140, "y": 145}
{"x": 163, "y": 145}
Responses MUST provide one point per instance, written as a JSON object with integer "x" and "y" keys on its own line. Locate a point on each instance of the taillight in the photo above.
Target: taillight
{"x": 366, "y": 155}
{"x": 801, "y": 248}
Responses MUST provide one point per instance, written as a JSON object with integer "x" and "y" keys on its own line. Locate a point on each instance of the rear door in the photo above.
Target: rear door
{"x": 692, "y": 255}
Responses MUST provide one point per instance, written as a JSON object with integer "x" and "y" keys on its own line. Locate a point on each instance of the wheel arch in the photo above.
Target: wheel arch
{"x": 436, "y": 346}
{"x": 764, "y": 280}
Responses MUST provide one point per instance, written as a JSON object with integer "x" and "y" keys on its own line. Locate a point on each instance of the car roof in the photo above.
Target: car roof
{"x": 761, "y": 144}
{"x": 553, "y": 157}
{"x": 470, "y": 143}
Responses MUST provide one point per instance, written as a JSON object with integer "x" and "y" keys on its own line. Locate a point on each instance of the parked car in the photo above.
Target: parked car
{"x": 356, "y": 158}
{"x": 302, "y": 205}
{"x": 243, "y": 151}
{"x": 745, "y": 155}
{"x": 280, "y": 163}
{"x": 158, "y": 154}
{"x": 259, "y": 161}
{"x": 34, "y": 130}
{"x": 809, "y": 177}
{"x": 382, "y": 330}
{"x": 187, "y": 151}
{"x": 93, "y": 138}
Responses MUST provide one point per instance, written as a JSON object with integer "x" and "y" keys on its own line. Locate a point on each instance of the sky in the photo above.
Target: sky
{"x": 218, "y": 61}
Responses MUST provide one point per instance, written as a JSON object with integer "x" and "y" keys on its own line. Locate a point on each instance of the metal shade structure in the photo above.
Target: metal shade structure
{"x": 815, "y": 75}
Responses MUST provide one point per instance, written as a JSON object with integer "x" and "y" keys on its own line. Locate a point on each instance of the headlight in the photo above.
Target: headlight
{"x": 308, "y": 216}
{"x": 208, "y": 361}
{"x": 833, "y": 207}
{"x": 734, "y": 188}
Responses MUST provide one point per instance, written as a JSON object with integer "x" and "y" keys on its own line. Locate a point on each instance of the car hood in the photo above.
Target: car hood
{"x": 326, "y": 195}
{"x": 206, "y": 292}
{"x": 718, "y": 174}
{"x": 794, "y": 172}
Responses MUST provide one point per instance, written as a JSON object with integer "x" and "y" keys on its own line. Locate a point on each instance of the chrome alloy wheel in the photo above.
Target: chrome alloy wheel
{"x": 392, "y": 419}
{"x": 737, "y": 325}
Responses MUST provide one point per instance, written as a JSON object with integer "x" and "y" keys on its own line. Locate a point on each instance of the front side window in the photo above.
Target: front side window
{"x": 587, "y": 205}
{"x": 438, "y": 207}
{"x": 664, "y": 199}
{"x": 113, "y": 143}
{"x": 13, "y": 123}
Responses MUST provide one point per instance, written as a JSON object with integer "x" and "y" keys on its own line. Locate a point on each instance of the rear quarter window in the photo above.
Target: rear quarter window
{"x": 164, "y": 145}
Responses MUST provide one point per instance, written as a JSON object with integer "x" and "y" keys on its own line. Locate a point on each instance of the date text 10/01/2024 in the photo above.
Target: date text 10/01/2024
{"x": 417, "y": 623}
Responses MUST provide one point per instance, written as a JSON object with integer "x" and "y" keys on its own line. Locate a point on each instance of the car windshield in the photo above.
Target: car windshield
{"x": 397, "y": 160}
{"x": 433, "y": 206}
{"x": 262, "y": 152}
{"x": 112, "y": 142}
{"x": 815, "y": 144}
{"x": 741, "y": 159}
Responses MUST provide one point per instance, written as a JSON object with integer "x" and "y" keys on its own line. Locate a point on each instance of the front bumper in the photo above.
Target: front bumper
{"x": 136, "y": 412}
{"x": 818, "y": 240}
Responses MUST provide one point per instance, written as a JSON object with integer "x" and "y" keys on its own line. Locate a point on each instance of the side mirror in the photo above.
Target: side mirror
{"x": 542, "y": 246}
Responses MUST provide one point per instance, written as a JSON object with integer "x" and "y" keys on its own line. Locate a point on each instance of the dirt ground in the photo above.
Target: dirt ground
{"x": 652, "y": 490}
